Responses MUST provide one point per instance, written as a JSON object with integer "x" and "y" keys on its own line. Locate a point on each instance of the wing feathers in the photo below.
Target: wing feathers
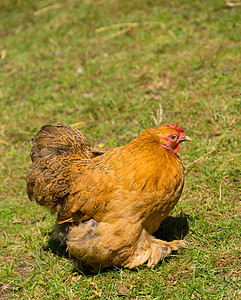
{"x": 59, "y": 154}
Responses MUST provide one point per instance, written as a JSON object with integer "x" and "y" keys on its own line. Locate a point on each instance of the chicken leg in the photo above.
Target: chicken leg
{"x": 103, "y": 245}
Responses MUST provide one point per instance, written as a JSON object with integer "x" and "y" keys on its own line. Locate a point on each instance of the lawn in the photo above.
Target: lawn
{"x": 114, "y": 68}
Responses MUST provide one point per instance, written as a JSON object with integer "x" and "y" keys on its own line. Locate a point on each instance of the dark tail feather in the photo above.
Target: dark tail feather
{"x": 57, "y": 155}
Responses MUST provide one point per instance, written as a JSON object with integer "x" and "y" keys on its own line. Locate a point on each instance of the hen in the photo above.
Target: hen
{"x": 109, "y": 203}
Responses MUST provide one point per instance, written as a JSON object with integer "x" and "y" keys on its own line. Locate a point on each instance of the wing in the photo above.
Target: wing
{"x": 92, "y": 191}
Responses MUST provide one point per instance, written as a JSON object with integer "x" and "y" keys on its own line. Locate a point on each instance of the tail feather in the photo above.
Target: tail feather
{"x": 57, "y": 154}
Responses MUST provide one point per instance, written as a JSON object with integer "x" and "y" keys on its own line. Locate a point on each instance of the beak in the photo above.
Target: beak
{"x": 187, "y": 138}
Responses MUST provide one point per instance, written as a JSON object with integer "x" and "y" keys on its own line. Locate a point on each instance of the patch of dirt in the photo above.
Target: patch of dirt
{"x": 6, "y": 259}
{"x": 123, "y": 290}
{"x": 228, "y": 260}
{"x": 5, "y": 289}
{"x": 26, "y": 266}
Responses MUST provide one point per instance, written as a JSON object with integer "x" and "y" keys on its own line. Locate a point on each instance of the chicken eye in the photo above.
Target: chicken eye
{"x": 173, "y": 137}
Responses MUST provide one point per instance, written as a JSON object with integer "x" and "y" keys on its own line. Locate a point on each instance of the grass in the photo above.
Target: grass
{"x": 182, "y": 56}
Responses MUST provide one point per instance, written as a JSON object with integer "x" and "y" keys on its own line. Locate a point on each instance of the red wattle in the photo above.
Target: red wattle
{"x": 176, "y": 149}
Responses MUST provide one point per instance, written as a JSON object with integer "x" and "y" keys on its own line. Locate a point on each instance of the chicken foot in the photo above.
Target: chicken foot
{"x": 155, "y": 252}
{"x": 161, "y": 249}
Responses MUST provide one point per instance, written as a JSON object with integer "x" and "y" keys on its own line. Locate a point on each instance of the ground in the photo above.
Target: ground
{"x": 116, "y": 67}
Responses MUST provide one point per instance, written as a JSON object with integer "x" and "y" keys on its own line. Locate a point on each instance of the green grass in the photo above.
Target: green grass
{"x": 183, "y": 56}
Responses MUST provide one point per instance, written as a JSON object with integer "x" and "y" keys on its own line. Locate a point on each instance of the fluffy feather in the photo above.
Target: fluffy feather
{"x": 112, "y": 201}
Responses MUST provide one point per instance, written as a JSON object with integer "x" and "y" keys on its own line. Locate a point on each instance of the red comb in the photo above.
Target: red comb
{"x": 175, "y": 127}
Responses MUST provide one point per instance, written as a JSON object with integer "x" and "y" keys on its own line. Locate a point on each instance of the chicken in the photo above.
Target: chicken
{"x": 110, "y": 202}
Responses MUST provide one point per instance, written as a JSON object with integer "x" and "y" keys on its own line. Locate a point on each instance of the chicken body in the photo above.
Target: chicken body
{"x": 111, "y": 202}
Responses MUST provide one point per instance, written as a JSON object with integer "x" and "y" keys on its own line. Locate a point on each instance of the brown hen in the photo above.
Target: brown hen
{"x": 109, "y": 203}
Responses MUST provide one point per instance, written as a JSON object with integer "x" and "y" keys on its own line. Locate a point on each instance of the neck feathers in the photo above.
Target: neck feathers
{"x": 149, "y": 144}
{"x": 151, "y": 164}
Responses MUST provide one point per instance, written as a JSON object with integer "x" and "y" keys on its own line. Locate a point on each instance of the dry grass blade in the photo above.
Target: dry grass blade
{"x": 232, "y": 4}
{"x": 133, "y": 24}
{"x": 158, "y": 118}
{"x": 200, "y": 158}
{"x": 3, "y": 142}
{"x": 48, "y": 8}
{"x": 4, "y": 54}
{"x": 123, "y": 31}
{"x": 129, "y": 27}
{"x": 77, "y": 124}
{"x": 102, "y": 29}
